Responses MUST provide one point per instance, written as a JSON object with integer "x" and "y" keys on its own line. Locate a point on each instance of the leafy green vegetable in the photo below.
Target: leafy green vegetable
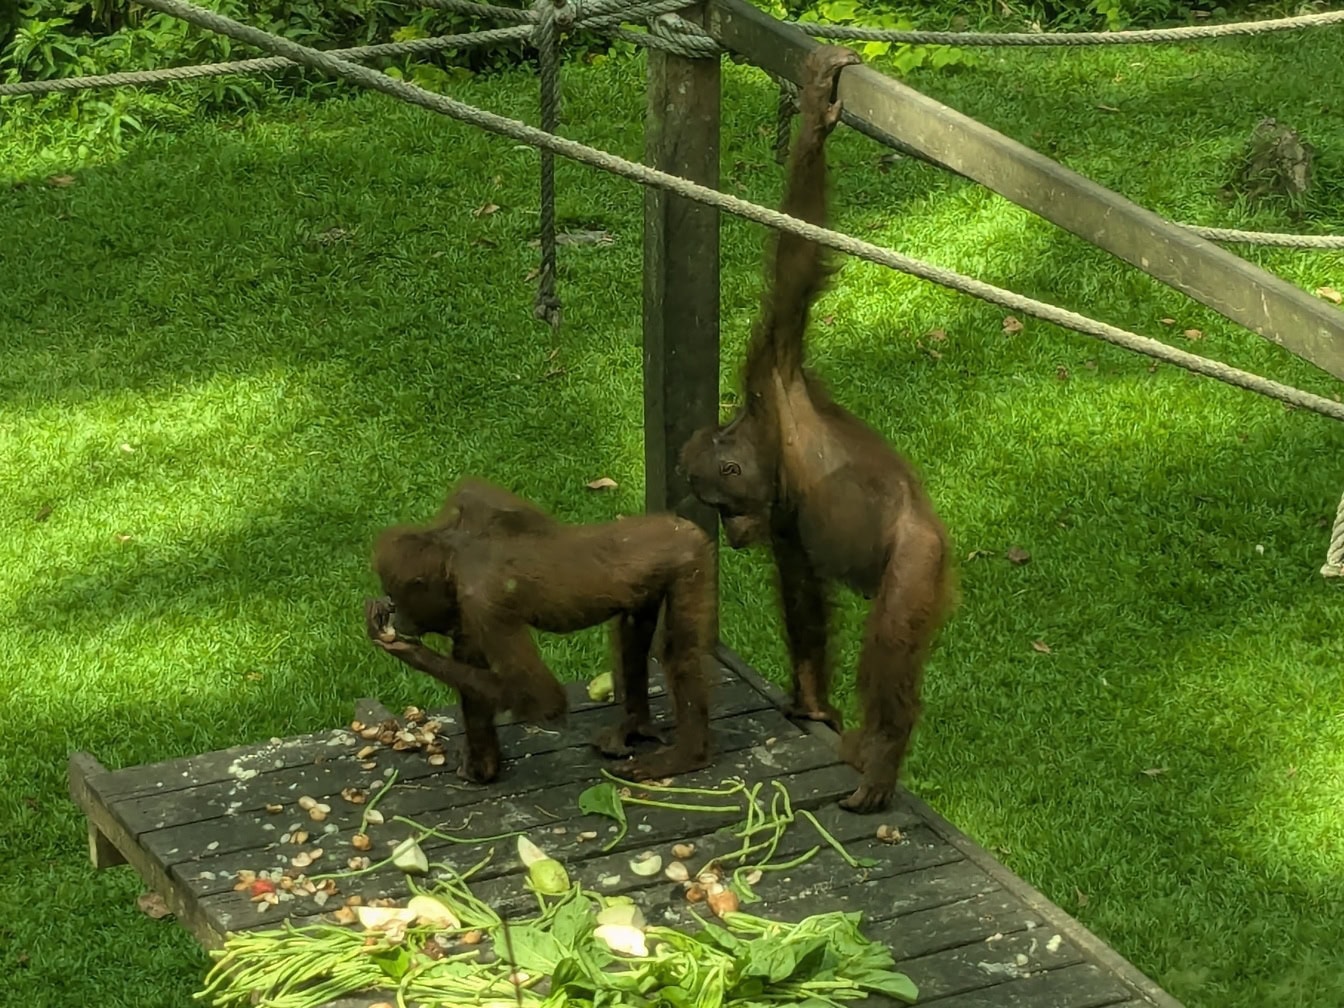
{"x": 604, "y": 799}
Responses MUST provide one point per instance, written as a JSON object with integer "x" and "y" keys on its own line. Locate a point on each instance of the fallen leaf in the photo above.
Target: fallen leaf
{"x": 1154, "y": 771}
{"x": 23, "y": 960}
{"x": 1107, "y": 108}
{"x": 121, "y": 537}
{"x": 937, "y": 335}
{"x": 60, "y": 181}
{"x": 1012, "y": 325}
{"x": 481, "y": 240}
{"x": 603, "y": 483}
{"x": 1091, "y": 365}
{"x": 151, "y": 904}
{"x": 829, "y": 320}
{"x": 1152, "y": 368}
{"x": 43, "y": 513}
{"x": 1041, "y": 646}
{"x": 1062, "y": 373}
{"x": 1292, "y": 771}
{"x": 1080, "y": 897}
{"x": 976, "y": 555}
{"x": 1018, "y": 555}
{"x": 1167, "y": 321}
{"x": 1330, "y": 294}
{"x": 1193, "y": 334}
{"x": 485, "y": 211}
{"x": 532, "y": 274}
{"x": 126, "y": 448}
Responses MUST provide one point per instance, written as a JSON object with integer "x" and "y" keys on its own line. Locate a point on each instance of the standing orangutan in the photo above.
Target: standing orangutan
{"x": 827, "y": 492}
{"x": 491, "y": 567}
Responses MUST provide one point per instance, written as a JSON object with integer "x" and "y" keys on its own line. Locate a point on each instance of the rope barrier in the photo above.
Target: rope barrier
{"x": 137, "y": 77}
{"x": 1186, "y": 33}
{"x": 553, "y": 14}
{"x": 645, "y": 175}
{"x": 596, "y": 15}
{"x": 1273, "y": 238}
{"x": 1334, "y": 554}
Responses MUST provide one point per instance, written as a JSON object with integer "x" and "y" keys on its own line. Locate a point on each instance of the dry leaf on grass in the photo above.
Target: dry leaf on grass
{"x": 532, "y": 274}
{"x": 1080, "y": 897}
{"x": 938, "y": 335}
{"x": 485, "y": 211}
{"x": 1330, "y": 294}
{"x": 1193, "y": 334}
{"x": 977, "y": 554}
{"x": 1041, "y": 646}
{"x": 43, "y": 513}
{"x": 1018, "y": 555}
{"x": 1011, "y": 324}
{"x": 151, "y": 904}
{"x": 60, "y": 181}
{"x": 1062, "y": 373}
{"x": 1167, "y": 321}
{"x": 603, "y": 483}
{"x": 1154, "y": 771}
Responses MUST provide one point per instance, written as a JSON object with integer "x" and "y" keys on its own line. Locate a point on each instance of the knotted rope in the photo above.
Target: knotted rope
{"x": 553, "y": 17}
{"x": 1334, "y": 554}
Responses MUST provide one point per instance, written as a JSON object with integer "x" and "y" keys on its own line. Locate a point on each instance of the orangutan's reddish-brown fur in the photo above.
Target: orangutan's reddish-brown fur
{"x": 834, "y": 501}
{"x": 492, "y": 565}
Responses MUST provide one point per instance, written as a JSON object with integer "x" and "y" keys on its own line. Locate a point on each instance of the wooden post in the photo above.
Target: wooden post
{"x": 681, "y": 275}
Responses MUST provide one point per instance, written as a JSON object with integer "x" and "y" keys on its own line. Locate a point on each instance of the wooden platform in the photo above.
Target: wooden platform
{"x": 964, "y": 928}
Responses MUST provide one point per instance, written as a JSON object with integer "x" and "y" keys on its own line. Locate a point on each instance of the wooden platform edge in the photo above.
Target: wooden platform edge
{"x": 1069, "y": 926}
{"x": 112, "y": 833}
{"x": 1239, "y": 290}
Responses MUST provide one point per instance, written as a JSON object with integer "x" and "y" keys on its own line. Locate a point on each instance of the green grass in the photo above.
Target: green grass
{"x": 285, "y": 396}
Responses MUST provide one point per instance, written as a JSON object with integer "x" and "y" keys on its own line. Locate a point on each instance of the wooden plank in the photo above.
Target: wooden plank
{"x": 681, "y": 275}
{"x": 103, "y": 852}
{"x": 189, "y": 912}
{"x": 1231, "y": 286}
{"x": 997, "y": 959}
{"x": 242, "y": 761}
{"x": 336, "y": 768}
{"x": 1095, "y": 949}
{"x": 1081, "y": 986}
{"x": 500, "y": 885}
{"x": 647, "y": 825}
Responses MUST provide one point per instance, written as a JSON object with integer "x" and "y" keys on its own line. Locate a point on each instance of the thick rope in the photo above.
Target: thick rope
{"x": 1184, "y": 34}
{"x": 645, "y": 175}
{"x": 596, "y": 15}
{"x": 518, "y": 14}
{"x": 1266, "y": 238}
{"x": 547, "y": 40}
{"x": 1334, "y": 554}
{"x": 265, "y": 64}
{"x": 785, "y": 110}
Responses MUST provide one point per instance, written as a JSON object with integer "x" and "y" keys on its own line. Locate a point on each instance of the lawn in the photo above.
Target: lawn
{"x": 236, "y": 349}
